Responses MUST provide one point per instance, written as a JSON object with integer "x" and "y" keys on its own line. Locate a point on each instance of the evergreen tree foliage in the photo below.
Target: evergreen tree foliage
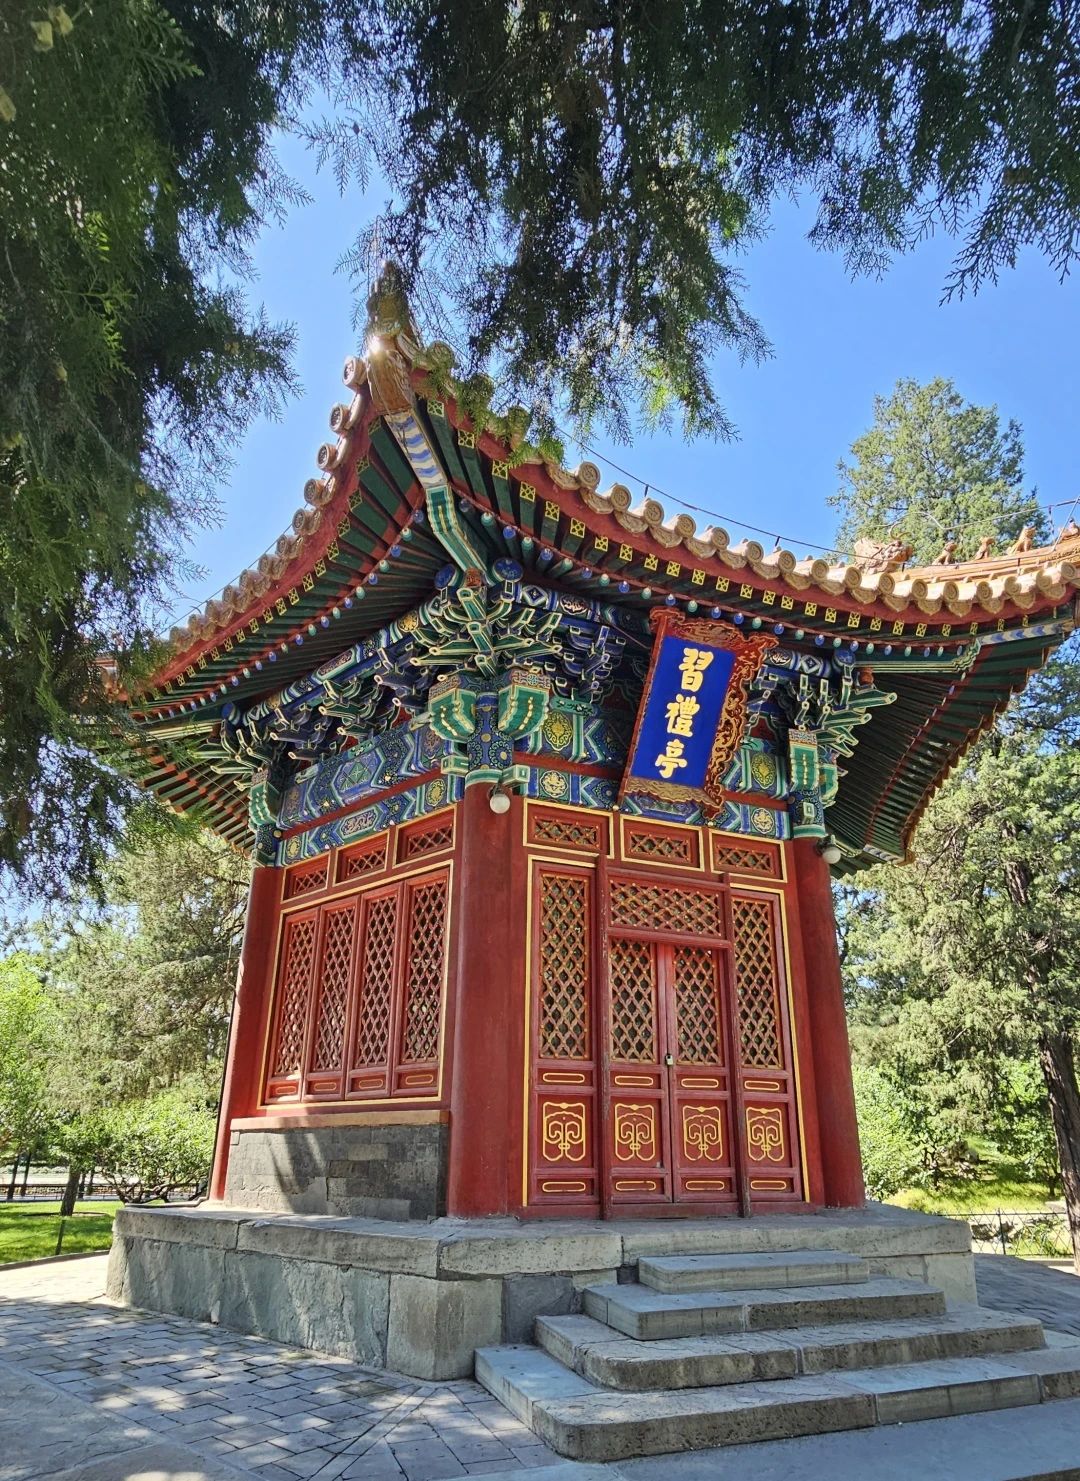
{"x": 934, "y": 468}
{"x": 580, "y": 177}
{"x": 969, "y": 958}
{"x": 135, "y": 170}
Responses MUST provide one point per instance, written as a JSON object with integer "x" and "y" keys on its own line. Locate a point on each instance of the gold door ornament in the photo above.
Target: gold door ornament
{"x": 635, "y": 1133}
{"x": 765, "y": 1133}
{"x": 563, "y": 1131}
{"x": 703, "y": 1133}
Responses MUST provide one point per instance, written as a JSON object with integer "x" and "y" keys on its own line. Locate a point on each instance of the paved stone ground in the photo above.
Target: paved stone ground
{"x": 234, "y": 1405}
{"x": 94, "y": 1392}
{"x": 1051, "y": 1295}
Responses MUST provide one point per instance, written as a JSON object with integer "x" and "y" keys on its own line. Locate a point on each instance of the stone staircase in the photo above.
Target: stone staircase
{"x": 708, "y": 1350}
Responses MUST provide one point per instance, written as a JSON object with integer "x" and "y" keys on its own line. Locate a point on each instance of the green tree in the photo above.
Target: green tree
{"x": 977, "y": 942}
{"x": 891, "y": 1151}
{"x": 149, "y": 1148}
{"x": 933, "y": 468}
{"x": 143, "y": 983}
{"x": 1021, "y": 1124}
{"x": 27, "y": 1038}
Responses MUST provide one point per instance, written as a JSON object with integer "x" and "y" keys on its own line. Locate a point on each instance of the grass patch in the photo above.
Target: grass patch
{"x": 995, "y": 1182}
{"x": 28, "y": 1231}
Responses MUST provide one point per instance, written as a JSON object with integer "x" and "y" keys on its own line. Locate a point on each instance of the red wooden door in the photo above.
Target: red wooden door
{"x": 701, "y": 1089}
{"x": 668, "y": 1068}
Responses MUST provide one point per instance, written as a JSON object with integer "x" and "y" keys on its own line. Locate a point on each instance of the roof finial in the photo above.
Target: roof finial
{"x": 390, "y": 341}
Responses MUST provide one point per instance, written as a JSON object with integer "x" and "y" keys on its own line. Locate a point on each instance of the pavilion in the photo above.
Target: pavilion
{"x": 542, "y": 789}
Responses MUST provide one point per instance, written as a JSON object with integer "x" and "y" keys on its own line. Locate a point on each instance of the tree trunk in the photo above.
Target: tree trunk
{"x": 26, "y": 1172}
{"x": 1058, "y": 1064}
{"x": 14, "y": 1178}
{"x": 67, "y": 1203}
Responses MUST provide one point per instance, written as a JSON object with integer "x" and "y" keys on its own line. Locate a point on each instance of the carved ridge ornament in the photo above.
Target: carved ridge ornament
{"x": 693, "y": 711}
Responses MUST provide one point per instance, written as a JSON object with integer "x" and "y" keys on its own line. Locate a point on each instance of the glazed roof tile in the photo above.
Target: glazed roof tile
{"x": 1021, "y": 578}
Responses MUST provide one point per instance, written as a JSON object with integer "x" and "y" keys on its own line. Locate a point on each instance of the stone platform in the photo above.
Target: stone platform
{"x": 421, "y": 1298}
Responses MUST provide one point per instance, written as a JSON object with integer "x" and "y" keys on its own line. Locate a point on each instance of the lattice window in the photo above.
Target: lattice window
{"x": 335, "y": 970}
{"x": 746, "y": 860}
{"x": 633, "y": 1001}
{"x": 564, "y": 966}
{"x": 424, "y": 977}
{"x": 697, "y": 1012}
{"x": 294, "y": 994}
{"x": 757, "y": 983}
{"x": 665, "y": 908}
{"x": 379, "y": 935}
{"x": 306, "y": 880}
{"x": 566, "y": 833}
{"x": 362, "y": 861}
{"x": 668, "y": 848}
{"x": 428, "y": 840}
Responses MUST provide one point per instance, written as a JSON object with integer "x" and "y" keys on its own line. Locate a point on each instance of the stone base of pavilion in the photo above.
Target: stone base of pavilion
{"x": 420, "y": 1298}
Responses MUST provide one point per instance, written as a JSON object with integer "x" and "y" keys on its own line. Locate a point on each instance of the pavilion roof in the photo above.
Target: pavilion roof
{"x": 360, "y": 554}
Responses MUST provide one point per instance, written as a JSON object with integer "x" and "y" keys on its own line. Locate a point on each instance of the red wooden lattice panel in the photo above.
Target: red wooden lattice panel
{"x": 362, "y": 861}
{"x": 305, "y": 879}
{"x": 746, "y": 858}
{"x": 633, "y": 1001}
{"x": 564, "y": 966}
{"x": 424, "y": 976}
{"x": 428, "y": 840}
{"x": 757, "y": 979}
{"x": 379, "y": 935}
{"x": 655, "y": 847}
{"x": 294, "y": 993}
{"x": 697, "y": 1007}
{"x": 656, "y": 907}
{"x": 334, "y": 974}
{"x": 561, "y": 832}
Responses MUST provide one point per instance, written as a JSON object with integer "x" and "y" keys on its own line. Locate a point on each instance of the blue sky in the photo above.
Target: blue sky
{"x": 837, "y": 343}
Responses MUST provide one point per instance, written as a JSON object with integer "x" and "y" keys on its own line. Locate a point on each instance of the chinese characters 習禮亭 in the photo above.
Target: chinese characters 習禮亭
{"x": 682, "y": 709}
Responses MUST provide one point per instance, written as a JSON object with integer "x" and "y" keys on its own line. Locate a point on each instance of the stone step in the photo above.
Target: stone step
{"x": 606, "y": 1357}
{"x": 647, "y": 1315}
{"x": 751, "y": 1271}
{"x": 1038, "y": 1443}
{"x": 580, "y": 1420}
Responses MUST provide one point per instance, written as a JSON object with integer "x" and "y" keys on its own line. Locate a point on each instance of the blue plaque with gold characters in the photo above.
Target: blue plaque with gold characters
{"x": 693, "y": 708}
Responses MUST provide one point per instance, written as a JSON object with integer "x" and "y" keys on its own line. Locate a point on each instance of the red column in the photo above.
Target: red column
{"x": 489, "y": 979}
{"x": 243, "y": 1063}
{"x": 841, "y": 1163}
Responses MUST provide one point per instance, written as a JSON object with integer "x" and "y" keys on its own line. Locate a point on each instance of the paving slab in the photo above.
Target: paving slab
{"x": 105, "y": 1393}
{"x": 1049, "y": 1294}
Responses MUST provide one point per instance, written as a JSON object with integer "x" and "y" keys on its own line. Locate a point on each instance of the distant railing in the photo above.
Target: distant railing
{"x": 53, "y": 1192}
{"x": 1019, "y": 1232}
